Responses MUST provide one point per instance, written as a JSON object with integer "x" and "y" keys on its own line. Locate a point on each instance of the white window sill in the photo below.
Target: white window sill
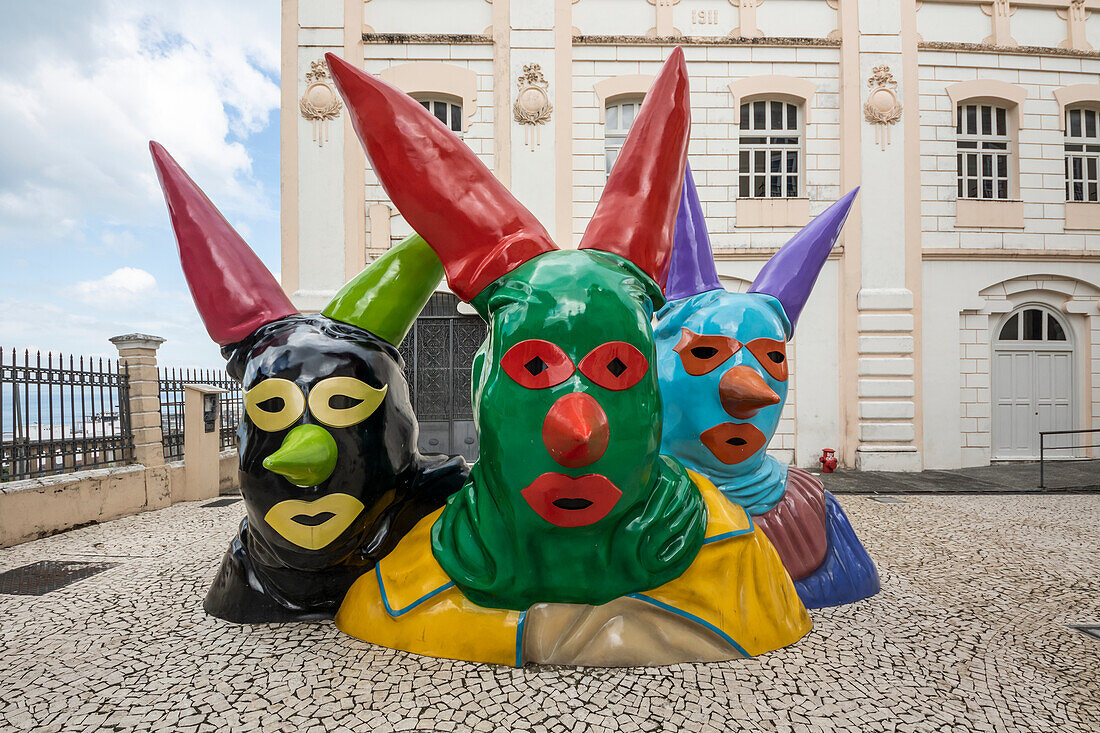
{"x": 1082, "y": 215}
{"x": 989, "y": 213}
{"x": 772, "y": 212}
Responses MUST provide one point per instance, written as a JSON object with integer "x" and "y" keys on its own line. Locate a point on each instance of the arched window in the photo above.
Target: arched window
{"x": 1032, "y": 324}
{"x": 1082, "y": 154}
{"x": 770, "y": 152}
{"x": 447, "y": 111}
{"x": 987, "y": 124}
{"x": 984, "y": 150}
{"x": 618, "y": 117}
{"x": 447, "y": 91}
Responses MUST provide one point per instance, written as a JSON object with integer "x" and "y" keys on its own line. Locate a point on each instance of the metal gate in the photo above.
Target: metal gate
{"x": 438, "y": 352}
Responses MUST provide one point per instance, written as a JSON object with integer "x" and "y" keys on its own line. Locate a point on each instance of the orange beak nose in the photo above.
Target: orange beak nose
{"x": 744, "y": 392}
{"x": 575, "y": 430}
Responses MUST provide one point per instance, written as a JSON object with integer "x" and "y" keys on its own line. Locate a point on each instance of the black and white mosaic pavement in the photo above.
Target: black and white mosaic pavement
{"x": 970, "y": 633}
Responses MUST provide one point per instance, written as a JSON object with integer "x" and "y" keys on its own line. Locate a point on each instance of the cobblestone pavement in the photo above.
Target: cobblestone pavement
{"x": 969, "y": 634}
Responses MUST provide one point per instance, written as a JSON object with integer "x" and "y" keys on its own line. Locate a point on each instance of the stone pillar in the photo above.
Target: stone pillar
{"x": 201, "y": 443}
{"x": 888, "y": 378}
{"x": 138, "y": 351}
{"x": 533, "y": 150}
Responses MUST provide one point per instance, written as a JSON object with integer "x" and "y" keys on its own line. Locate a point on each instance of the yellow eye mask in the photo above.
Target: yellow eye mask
{"x": 256, "y": 404}
{"x": 321, "y": 395}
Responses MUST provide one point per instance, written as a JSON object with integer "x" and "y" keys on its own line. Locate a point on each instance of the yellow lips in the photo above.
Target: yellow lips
{"x": 343, "y": 507}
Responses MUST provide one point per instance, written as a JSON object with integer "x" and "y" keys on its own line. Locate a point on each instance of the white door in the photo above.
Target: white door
{"x": 1032, "y": 386}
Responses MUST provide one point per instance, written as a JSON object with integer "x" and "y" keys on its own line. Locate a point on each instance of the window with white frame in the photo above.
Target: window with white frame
{"x": 984, "y": 151}
{"x": 770, "y": 148}
{"x": 618, "y": 117}
{"x": 1082, "y": 155}
{"x": 446, "y": 111}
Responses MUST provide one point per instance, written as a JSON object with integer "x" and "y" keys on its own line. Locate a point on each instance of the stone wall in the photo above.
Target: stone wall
{"x": 39, "y": 507}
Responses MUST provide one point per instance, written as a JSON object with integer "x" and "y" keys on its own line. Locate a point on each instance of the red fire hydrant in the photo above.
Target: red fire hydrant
{"x": 828, "y": 460}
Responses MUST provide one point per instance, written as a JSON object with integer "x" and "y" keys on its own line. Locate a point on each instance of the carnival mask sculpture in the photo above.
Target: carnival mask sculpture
{"x": 574, "y": 540}
{"x": 329, "y": 470}
{"x": 722, "y": 360}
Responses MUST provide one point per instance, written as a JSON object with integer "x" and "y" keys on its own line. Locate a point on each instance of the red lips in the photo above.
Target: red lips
{"x": 566, "y": 501}
{"x": 732, "y": 442}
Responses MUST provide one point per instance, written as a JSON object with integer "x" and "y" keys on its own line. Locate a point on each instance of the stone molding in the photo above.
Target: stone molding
{"x": 1075, "y": 94}
{"x": 626, "y": 85}
{"x": 787, "y": 88}
{"x": 965, "y": 91}
{"x": 433, "y": 77}
{"x": 319, "y": 102}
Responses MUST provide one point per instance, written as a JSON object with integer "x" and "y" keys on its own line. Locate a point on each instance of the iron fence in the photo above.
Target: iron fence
{"x": 171, "y": 407}
{"x": 62, "y": 415}
{"x": 1043, "y": 447}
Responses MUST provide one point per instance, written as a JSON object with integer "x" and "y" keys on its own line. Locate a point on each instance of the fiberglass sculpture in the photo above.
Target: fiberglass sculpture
{"x": 329, "y": 471}
{"x": 722, "y": 361}
{"x": 574, "y": 541}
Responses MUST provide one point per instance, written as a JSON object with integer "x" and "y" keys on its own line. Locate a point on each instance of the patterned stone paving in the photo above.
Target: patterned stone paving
{"x": 969, "y": 634}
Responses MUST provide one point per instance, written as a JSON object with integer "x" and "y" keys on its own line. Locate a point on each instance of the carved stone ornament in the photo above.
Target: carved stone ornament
{"x": 320, "y": 102}
{"x": 882, "y": 107}
{"x": 532, "y": 107}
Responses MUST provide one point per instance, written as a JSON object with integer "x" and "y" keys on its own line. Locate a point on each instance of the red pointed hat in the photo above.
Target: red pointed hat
{"x": 636, "y": 215}
{"x": 234, "y": 292}
{"x": 446, "y": 194}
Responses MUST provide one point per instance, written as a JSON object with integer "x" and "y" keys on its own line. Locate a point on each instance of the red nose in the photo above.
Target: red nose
{"x": 575, "y": 431}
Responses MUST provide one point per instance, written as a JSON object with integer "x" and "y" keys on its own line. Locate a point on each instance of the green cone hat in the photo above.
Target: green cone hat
{"x": 387, "y": 296}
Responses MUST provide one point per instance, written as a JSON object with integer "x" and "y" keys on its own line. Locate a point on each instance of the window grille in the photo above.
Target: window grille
{"x": 1082, "y": 155}
{"x": 983, "y": 151}
{"x": 449, "y": 113}
{"x": 1037, "y": 325}
{"x": 617, "y": 121}
{"x": 770, "y": 148}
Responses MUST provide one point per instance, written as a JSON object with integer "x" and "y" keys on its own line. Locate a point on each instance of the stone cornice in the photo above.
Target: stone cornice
{"x": 586, "y": 40}
{"x": 1007, "y": 50}
{"x": 1003, "y": 255}
{"x": 450, "y": 39}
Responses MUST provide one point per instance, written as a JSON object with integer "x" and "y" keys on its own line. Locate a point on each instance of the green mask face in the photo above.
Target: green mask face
{"x": 570, "y": 501}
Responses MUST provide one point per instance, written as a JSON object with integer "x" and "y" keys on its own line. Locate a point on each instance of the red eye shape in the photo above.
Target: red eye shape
{"x": 537, "y": 364}
{"x": 703, "y": 354}
{"x": 772, "y": 355}
{"x": 615, "y": 365}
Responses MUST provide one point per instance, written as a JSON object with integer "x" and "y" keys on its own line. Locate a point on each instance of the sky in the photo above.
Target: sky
{"x": 86, "y": 247}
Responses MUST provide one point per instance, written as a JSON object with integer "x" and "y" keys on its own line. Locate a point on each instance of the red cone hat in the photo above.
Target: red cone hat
{"x": 234, "y": 292}
{"x": 446, "y": 194}
{"x": 636, "y": 215}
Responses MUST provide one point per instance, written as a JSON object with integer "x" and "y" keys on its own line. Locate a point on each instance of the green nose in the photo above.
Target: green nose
{"x": 306, "y": 457}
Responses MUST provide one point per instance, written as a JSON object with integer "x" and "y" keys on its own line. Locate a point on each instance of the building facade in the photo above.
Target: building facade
{"x": 960, "y": 312}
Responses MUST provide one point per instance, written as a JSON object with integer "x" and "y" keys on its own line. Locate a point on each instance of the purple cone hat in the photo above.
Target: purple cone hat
{"x": 692, "y": 269}
{"x": 790, "y": 274}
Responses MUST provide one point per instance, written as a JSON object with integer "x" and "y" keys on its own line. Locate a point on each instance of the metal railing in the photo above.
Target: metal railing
{"x": 171, "y": 407}
{"x": 1043, "y": 448}
{"x": 58, "y": 416}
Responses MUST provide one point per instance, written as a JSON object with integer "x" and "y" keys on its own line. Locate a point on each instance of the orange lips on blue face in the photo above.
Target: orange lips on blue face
{"x": 732, "y": 442}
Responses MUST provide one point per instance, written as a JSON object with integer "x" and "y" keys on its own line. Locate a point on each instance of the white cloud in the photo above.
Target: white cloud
{"x": 125, "y": 287}
{"x": 85, "y": 330}
{"x": 197, "y": 76}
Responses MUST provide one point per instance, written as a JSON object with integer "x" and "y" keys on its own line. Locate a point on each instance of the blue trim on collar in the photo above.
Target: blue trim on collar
{"x": 692, "y": 617}
{"x": 737, "y": 533}
{"x": 519, "y": 638}
{"x": 411, "y": 606}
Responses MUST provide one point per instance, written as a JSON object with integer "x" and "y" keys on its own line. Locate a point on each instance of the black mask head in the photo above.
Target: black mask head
{"x": 328, "y": 429}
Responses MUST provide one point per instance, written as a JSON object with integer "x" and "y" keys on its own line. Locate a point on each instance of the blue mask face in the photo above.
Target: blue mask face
{"x": 722, "y": 363}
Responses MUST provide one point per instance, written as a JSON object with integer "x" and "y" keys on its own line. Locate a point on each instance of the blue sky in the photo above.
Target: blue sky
{"x": 86, "y": 250}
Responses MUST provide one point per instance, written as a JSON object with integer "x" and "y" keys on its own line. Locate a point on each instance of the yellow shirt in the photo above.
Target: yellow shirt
{"x": 735, "y": 595}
